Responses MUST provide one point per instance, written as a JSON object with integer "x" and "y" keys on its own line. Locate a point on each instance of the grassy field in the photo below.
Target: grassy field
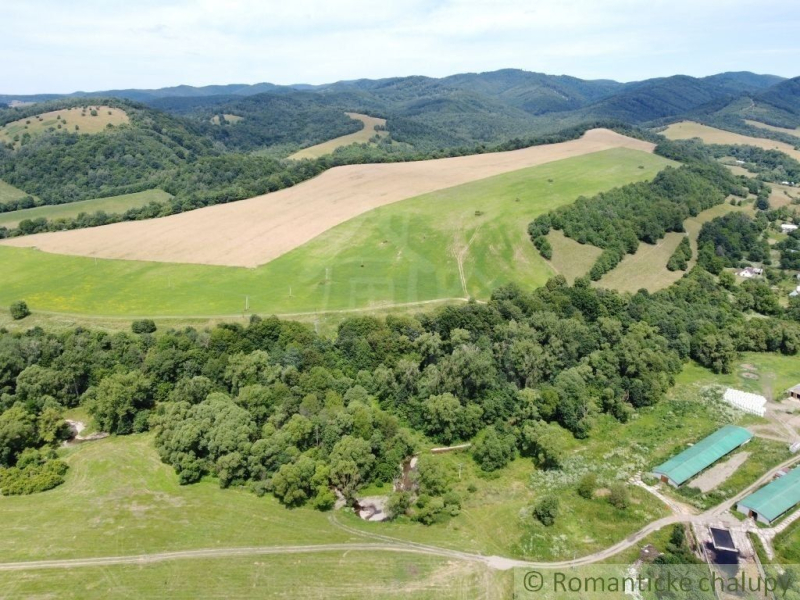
{"x": 64, "y": 120}
{"x": 410, "y": 251}
{"x": 571, "y": 259}
{"x": 112, "y": 204}
{"x": 359, "y": 137}
{"x": 647, "y": 268}
{"x": 8, "y": 193}
{"x": 348, "y": 575}
{"x": 710, "y": 135}
{"x": 231, "y": 119}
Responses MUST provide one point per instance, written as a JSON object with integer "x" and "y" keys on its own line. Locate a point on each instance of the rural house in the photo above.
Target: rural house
{"x": 750, "y": 272}
{"x": 788, "y": 227}
{"x": 795, "y": 392}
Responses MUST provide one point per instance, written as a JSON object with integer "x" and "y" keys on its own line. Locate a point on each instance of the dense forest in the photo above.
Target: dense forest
{"x": 282, "y": 410}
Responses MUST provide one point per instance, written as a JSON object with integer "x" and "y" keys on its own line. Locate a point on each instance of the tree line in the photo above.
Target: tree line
{"x": 277, "y": 408}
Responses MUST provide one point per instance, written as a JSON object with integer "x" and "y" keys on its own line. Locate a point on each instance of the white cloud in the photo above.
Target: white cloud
{"x": 50, "y": 45}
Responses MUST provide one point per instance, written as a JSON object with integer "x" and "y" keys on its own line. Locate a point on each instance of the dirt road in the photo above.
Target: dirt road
{"x": 384, "y": 543}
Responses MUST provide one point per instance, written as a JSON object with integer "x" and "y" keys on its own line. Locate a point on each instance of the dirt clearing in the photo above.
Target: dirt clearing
{"x": 252, "y": 232}
{"x": 716, "y": 475}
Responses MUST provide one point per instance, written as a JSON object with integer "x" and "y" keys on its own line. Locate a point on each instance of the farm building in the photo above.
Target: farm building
{"x": 750, "y": 272}
{"x": 774, "y": 499}
{"x": 749, "y": 403}
{"x": 703, "y": 454}
{"x": 795, "y": 392}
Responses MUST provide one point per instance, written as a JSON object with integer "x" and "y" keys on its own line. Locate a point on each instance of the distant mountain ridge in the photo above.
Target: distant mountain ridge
{"x": 515, "y": 85}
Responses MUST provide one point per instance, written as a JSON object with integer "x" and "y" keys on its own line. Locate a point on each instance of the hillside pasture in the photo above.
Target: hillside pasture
{"x": 112, "y": 204}
{"x": 783, "y": 195}
{"x": 253, "y": 232}
{"x": 571, "y": 259}
{"x": 9, "y": 193}
{"x": 361, "y": 136}
{"x": 230, "y": 119}
{"x": 647, "y": 268}
{"x": 88, "y": 119}
{"x": 451, "y": 244}
{"x": 710, "y": 135}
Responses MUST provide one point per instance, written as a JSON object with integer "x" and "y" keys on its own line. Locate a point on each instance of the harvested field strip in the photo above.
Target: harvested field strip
{"x": 359, "y": 137}
{"x": 795, "y": 131}
{"x": 253, "y": 232}
{"x": 710, "y": 135}
{"x": 110, "y": 205}
{"x": 397, "y": 254}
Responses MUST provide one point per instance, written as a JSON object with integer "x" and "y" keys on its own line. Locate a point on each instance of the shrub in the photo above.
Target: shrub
{"x": 587, "y": 485}
{"x": 33, "y": 477}
{"x": 143, "y": 326}
{"x": 546, "y": 510}
{"x": 19, "y": 310}
{"x": 619, "y": 497}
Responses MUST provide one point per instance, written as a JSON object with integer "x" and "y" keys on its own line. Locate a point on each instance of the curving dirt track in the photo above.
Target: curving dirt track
{"x": 383, "y": 543}
{"x": 253, "y": 232}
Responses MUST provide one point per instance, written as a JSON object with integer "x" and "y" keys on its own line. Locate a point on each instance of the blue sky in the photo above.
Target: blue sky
{"x": 64, "y": 46}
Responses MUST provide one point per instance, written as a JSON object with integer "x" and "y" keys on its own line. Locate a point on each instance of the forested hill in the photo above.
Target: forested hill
{"x": 225, "y": 143}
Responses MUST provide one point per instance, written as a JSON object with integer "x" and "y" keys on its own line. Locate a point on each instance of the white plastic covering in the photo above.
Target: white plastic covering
{"x": 751, "y": 403}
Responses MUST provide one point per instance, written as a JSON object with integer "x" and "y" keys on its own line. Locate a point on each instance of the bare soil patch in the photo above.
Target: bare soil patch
{"x": 252, "y": 232}
{"x": 717, "y": 474}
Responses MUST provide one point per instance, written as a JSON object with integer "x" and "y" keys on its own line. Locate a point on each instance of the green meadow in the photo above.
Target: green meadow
{"x": 112, "y": 204}
{"x": 455, "y": 243}
{"x": 8, "y": 193}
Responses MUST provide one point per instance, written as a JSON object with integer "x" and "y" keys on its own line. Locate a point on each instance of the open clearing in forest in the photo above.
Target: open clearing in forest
{"x": 231, "y": 119}
{"x": 362, "y": 136}
{"x": 710, "y": 135}
{"x": 253, "y": 232}
{"x": 110, "y": 205}
{"x": 570, "y": 258}
{"x": 646, "y": 269}
{"x": 9, "y": 193}
{"x": 65, "y": 120}
{"x": 413, "y": 251}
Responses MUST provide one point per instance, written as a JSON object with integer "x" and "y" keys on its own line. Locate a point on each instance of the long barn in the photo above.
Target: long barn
{"x": 774, "y": 499}
{"x": 682, "y": 467}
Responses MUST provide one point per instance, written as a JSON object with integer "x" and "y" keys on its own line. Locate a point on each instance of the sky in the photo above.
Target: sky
{"x": 61, "y": 46}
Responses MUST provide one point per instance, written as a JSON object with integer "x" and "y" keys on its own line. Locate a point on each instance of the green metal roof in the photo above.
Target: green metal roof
{"x": 774, "y": 499}
{"x": 703, "y": 454}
